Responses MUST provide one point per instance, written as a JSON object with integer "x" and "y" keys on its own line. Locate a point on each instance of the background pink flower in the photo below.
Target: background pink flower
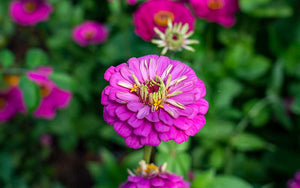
{"x": 155, "y": 13}
{"x": 219, "y": 11}
{"x": 52, "y": 97}
{"x": 295, "y": 183}
{"x": 89, "y": 32}
{"x": 152, "y": 99}
{"x": 11, "y": 103}
{"x": 30, "y": 12}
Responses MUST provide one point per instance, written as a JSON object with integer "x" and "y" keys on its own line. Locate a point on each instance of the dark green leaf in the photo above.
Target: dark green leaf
{"x": 31, "y": 93}
{"x": 7, "y": 58}
{"x": 36, "y": 57}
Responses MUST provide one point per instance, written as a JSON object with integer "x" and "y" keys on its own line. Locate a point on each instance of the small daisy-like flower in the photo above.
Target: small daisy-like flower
{"x": 90, "y": 33}
{"x": 175, "y": 38}
{"x": 52, "y": 97}
{"x": 152, "y": 99}
{"x": 295, "y": 183}
{"x": 156, "y": 13}
{"x": 30, "y": 12}
{"x": 11, "y": 103}
{"x": 219, "y": 11}
{"x": 152, "y": 176}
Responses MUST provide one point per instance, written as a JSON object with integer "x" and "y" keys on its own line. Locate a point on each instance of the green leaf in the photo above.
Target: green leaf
{"x": 7, "y": 58}
{"x": 6, "y": 167}
{"x": 225, "y": 181}
{"x": 216, "y": 159}
{"x": 62, "y": 80}
{"x": 248, "y": 6}
{"x": 212, "y": 129}
{"x": 277, "y": 77}
{"x": 295, "y": 107}
{"x": 36, "y": 57}
{"x": 204, "y": 179}
{"x": 31, "y": 93}
{"x": 266, "y": 8}
{"x": 225, "y": 96}
{"x": 248, "y": 142}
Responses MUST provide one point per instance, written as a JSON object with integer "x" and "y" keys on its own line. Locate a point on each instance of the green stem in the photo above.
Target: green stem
{"x": 147, "y": 153}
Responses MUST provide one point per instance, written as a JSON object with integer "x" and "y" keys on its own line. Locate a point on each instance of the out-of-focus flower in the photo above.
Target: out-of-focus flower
{"x": 295, "y": 183}
{"x": 30, "y": 12}
{"x": 175, "y": 38}
{"x": 152, "y": 99}
{"x": 152, "y": 176}
{"x": 52, "y": 97}
{"x": 46, "y": 140}
{"x": 131, "y": 2}
{"x": 11, "y": 103}
{"x": 89, "y": 32}
{"x": 156, "y": 13}
{"x": 219, "y": 11}
{"x": 12, "y": 80}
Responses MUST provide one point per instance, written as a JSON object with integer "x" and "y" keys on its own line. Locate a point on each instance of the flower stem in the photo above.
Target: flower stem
{"x": 147, "y": 153}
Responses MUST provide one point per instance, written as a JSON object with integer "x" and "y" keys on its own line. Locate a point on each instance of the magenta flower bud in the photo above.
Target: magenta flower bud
{"x": 219, "y": 11}
{"x": 152, "y": 99}
{"x": 52, "y": 97}
{"x": 156, "y": 13}
{"x": 90, "y": 33}
{"x": 30, "y": 12}
{"x": 11, "y": 103}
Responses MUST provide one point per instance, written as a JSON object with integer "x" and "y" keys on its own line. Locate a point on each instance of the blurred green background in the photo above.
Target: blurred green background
{"x": 252, "y": 76}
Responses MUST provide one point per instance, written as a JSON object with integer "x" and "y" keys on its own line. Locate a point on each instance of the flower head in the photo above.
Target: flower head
{"x": 151, "y": 176}
{"x": 295, "y": 183}
{"x": 30, "y": 12}
{"x": 156, "y": 13}
{"x": 152, "y": 99}
{"x": 11, "y": 103}
{"x": 89, "y": 32}
{"x": 52, "y": 97}
{"x": 219, "y": 11}
{"x": 175, "y": 38}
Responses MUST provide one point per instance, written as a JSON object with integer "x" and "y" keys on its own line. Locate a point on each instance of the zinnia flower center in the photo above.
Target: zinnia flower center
{"x": 161, "y": 18}
{"x": 147, "y": 168}
{"x": 45, "y": 90}
{"x": 12, "y": 80}
{"x": 155, "y": 92}
{"x": 215, "y": 4}
{"x": 89, "y": 34}
{"x": 30, "y": 6}
{"x": 2, "y": 103}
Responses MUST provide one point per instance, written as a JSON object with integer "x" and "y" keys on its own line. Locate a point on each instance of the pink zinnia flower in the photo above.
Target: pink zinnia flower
{"x": 152, "y": 176}
{"x": 89, "y": 32}
{"x": 52, "y": 97}
{"x": 156, "y": 13}
{"x": 219, "y": 11}
{"x": 30, "y": 12}
{"x": 153, "y": 98}
{"x": 295, "y": 183}
{"x": 11, "y": 103}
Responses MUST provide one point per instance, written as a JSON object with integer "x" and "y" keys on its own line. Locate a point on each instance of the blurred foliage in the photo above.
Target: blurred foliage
{"x": 252, "y": 76}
